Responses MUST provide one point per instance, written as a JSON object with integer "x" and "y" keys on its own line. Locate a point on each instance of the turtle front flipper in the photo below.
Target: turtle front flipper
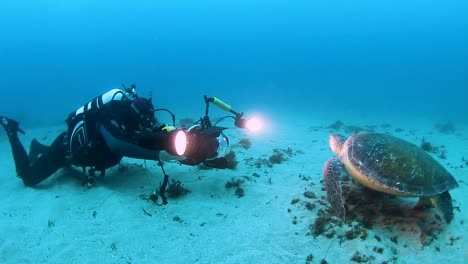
{"x": 332, "y": 171}
{"x": 443, "y": 203}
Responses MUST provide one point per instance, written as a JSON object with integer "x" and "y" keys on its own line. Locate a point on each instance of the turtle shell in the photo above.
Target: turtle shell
{"x": 395, "y": 166}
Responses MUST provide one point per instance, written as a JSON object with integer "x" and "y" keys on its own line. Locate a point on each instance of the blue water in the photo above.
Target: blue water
{"x": 394, "y": 57}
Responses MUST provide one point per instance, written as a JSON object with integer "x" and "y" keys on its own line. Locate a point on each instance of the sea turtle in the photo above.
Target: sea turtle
{"x": 391, "y": 165}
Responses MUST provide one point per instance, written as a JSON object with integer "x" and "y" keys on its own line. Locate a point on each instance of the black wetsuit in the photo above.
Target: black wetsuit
{"x": 45, "y": 165}
{"x": 112, "y": 133}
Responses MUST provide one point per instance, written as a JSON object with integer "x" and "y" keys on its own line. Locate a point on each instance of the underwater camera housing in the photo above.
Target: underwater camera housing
{"x": 205, "y": 141}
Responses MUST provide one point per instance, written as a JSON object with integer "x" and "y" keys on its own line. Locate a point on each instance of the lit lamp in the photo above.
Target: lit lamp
{"x": 179, "y": 143}
{"x": 251, "y": 124}
{"x": 174, "y": 142}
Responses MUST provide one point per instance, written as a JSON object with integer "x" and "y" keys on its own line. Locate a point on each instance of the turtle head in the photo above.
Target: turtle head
{"x": 336, "y": 142}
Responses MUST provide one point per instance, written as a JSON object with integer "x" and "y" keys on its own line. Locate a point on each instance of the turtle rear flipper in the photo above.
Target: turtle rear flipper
{"x": 423, "y": 203}
{"x": 442, "y": 202}
{"x": 332, "y": 171}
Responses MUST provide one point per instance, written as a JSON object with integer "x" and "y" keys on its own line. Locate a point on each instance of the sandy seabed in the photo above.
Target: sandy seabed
{"x": 277, "y": 214}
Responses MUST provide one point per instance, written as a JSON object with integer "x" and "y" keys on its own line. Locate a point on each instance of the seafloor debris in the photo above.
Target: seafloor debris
{"x": 246, "y": 143}
{"x": 310, "y": 195}
{"x": 336, "y": 125}
{"x": 277, "y": 157}
{"x": 146, "y": 212}
{"x": 446, "y": 128}
{"x": 353, "y": 129}
{"x": 176, "y": 189}
{"x": 237, "y": 184}
{"x": 231, "y": 160}
{"x": 361, "y": 258}
{"x": 428, "y": 147}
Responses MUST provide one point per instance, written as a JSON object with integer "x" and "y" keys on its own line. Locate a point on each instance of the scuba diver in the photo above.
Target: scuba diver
{"x": 114, "y": 125}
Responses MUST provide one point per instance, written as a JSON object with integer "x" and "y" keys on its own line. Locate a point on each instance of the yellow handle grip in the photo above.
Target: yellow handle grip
{"x": 168, "y": 128}
{"x": 221, "y": 104}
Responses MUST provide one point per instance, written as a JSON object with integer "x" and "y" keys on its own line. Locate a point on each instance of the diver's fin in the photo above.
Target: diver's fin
{"x": 11, "y": 126}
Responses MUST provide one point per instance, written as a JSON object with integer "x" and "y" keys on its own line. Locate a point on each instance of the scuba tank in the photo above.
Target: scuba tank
{"x": 80, "y": 134}
{"x": 99, "y": 101}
